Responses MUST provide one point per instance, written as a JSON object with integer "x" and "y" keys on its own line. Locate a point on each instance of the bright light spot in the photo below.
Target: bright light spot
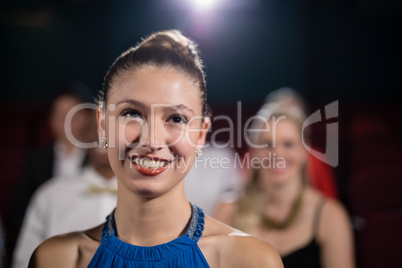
{"x": 204, "y": 4}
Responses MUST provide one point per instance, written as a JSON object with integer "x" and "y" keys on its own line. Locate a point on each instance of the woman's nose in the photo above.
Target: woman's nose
{"x": 155, "y": 136}
{"x": 277, "y": 149}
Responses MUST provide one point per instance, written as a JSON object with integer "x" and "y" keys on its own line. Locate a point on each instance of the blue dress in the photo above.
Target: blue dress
{"x": 180, "y": 252}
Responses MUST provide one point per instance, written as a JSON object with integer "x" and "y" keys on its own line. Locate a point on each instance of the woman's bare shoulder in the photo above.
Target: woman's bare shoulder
{"x": 332, "y": 211}
{"x": 234, "y": 248}
{"x": 334, "y": 217}
{"x": 68, "y": 250}
{"x": 244, "y": 250}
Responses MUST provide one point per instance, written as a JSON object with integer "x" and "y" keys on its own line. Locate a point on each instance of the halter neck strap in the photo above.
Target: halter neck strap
{"x": 194, "y": 229}
{"x": 196, "y": 226}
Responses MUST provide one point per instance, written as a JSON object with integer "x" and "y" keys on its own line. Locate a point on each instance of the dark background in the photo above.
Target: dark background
{"x": 326, "y": 50}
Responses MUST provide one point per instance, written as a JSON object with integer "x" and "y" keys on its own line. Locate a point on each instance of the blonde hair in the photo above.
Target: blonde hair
{"x": 252, "y": 200}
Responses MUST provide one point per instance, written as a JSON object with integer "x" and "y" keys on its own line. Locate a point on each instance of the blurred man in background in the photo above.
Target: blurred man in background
{"x": 60, "y": 159}
{"x": 70, "y": 202}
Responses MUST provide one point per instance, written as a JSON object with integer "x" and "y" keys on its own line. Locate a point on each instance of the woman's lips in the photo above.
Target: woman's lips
{"x": 149, "y": 166}
{"x": 278, "y": 171}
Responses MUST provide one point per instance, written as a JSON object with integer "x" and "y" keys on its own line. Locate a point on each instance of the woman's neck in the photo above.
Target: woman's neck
{"x": 283, "y": 195}
{"x": 148, "y": 222}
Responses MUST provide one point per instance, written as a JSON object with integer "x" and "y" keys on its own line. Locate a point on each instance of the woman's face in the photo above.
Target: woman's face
{"x": 284, "y": 156}
{"x": 153, "y": 125}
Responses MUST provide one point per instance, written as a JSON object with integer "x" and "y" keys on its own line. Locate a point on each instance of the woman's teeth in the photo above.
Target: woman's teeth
{"x": 149, "y": 163}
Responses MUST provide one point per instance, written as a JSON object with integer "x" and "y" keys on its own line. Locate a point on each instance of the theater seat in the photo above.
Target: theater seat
{"x": 379, "y": 243}
{"x": 376, "y": 188}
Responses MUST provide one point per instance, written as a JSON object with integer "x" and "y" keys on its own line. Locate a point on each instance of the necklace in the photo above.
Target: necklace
{"x": 294, "y": 211}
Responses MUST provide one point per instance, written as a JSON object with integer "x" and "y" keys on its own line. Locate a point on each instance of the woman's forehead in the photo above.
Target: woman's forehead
{"x": 153, "y": 85}
{"x": 280, "y": 128}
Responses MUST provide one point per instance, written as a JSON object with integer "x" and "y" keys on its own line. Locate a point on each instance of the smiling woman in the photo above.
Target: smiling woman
{"x": 153, "y": 120}
{"x": 277, "y": 204}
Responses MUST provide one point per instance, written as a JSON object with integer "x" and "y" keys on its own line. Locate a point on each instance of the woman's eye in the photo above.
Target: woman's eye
{"x": 288, "y": 144}
{"x": 131, "y": 113}
{"x": 178, "y": 119}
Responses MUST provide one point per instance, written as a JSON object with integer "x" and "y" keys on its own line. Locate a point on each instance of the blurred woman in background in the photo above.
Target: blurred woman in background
{"x": 307, "y": 228}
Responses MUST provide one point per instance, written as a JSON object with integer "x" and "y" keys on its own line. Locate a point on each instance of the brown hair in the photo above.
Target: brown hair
{"x": 162, "y": 49}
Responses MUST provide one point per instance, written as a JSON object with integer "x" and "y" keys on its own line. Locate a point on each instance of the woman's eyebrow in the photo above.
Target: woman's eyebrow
{"x": 131, "y": 101}
{"x": 175, "y": 108}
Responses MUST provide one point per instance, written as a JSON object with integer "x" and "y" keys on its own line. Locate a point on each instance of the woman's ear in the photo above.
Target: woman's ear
{"x": 205, "y": 125}
{"x": 101, "y": 122}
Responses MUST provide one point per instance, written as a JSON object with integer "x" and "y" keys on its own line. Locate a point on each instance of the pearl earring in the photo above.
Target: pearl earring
{"x": 103, "y": 143}
{"x": 198, "y": 152}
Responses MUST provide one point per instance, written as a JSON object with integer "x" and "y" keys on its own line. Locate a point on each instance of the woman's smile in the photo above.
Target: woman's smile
{"x": 149, "y": 165}
{"x": 156, "y": 125}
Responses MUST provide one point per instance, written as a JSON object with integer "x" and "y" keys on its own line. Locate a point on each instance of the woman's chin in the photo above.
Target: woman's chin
{"x": 278, "y": 171}
{"x": 278, "y": 176}
{"x": 147, "y": 188}
{"x": 148, "y": 184}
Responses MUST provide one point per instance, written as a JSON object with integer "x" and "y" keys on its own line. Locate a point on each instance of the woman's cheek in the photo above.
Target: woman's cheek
{"x": 301, "y": 156}
{"x": 180, "y": 138}
{"x": 260, "y": 153}
{"x": 194, "y": 130}
{"x": 175, "y": 135}
{"x": 192, "y": 139}
{"x": 126, "y": 136}
{"x": 131, "y": 132}
{"x": 128, "y": 133}
{"x": 294, "y": 159}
